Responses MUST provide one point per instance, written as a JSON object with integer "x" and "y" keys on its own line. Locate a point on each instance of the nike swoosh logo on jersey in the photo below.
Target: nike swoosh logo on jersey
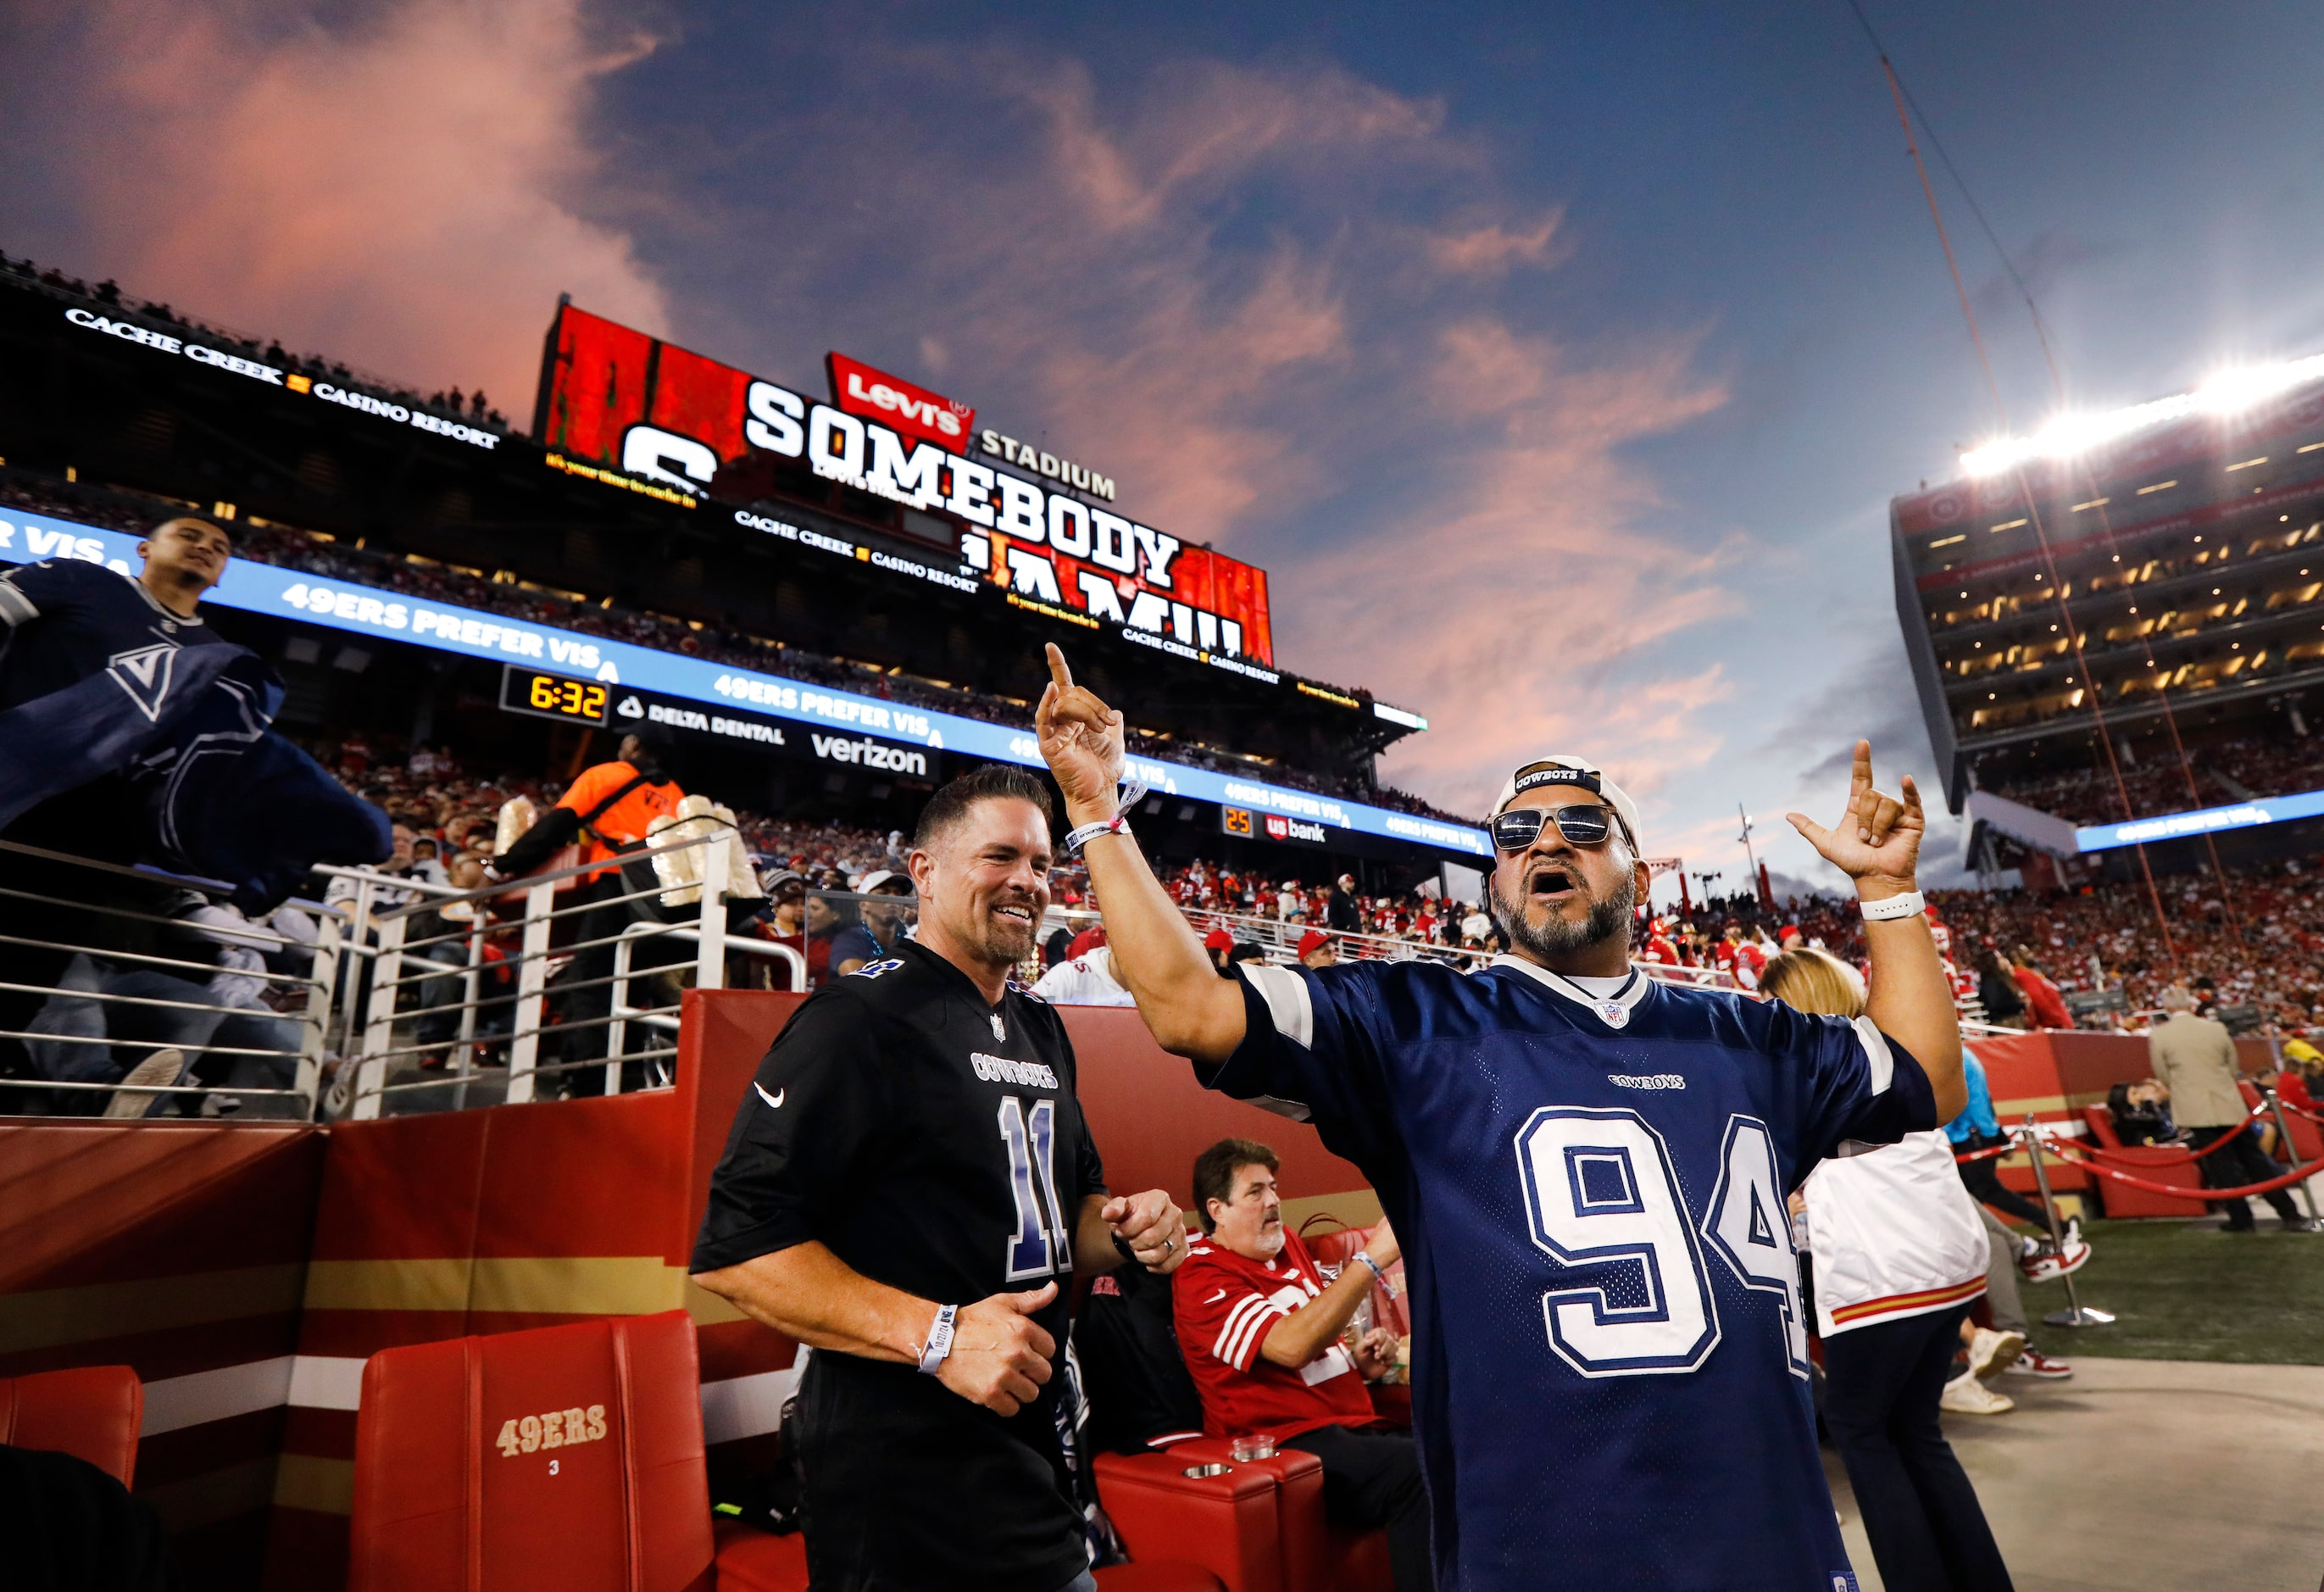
{"x": 1215, "y": 1298}
{"x": 773, "y": 1100}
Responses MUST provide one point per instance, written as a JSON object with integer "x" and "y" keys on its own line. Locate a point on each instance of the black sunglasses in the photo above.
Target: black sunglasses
{"x": 1583, "y": 824}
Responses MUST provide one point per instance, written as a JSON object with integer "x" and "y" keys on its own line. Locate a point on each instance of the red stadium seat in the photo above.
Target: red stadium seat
{"x": 91, "y": 1412}
{"x": 2307, "y": 1138}
{"x": 572, "y": 1457}
{"x": 568, "y": 1456}
{"x": 1309, "y": 1554}
{"x": 1229, "y": 1524}
{"x": 753, "y": 1561}
{"x": 2155, "y": 1164}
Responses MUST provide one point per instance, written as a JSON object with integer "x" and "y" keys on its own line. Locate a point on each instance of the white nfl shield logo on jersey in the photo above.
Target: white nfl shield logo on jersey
{"x": 1000, "y": 1034}
{"x": 1615, "y": 1013}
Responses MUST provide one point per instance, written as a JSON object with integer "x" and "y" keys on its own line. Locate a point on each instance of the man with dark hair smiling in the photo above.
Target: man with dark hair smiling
{"x": 1586, "y": 1169}
{"x": 907, "y": 1182}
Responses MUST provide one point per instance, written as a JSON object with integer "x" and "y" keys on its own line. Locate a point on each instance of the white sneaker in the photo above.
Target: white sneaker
{"x": 1989, "y": 1352}
{"x": 2044, "y": 1264}
{"x": 1966, "y": 1395}
{"x": 159, "y": 1069}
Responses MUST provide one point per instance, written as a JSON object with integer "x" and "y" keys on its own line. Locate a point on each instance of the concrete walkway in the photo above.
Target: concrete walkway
{"x": 2144, "y": 1475}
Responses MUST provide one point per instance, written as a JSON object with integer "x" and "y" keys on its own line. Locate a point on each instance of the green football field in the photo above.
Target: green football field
{"x": 2185, "y": 1290}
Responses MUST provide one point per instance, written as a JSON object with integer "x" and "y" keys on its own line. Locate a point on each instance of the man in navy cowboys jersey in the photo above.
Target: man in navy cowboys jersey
{"x": 1586, "y": 1169}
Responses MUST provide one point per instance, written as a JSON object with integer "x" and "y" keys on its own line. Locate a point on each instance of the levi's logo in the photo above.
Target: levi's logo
{"x": 860, "y": 389}
{"x": 557, "y": 1429}
{"x": 923, "y": 409}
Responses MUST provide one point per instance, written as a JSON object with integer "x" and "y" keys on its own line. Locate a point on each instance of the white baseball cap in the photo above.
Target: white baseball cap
{"x": 1569, "y": 771}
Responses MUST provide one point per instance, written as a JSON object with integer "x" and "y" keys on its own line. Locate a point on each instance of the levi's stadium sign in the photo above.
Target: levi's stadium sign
{"x": 656, "y": 418}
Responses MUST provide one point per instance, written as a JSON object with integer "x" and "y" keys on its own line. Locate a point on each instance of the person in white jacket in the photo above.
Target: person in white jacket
{"x": 1900, "y": 1255}
{"x": 1085, "y": 980}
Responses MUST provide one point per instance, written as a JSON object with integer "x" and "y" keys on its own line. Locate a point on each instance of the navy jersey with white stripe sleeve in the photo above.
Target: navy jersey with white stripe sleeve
{"x": 1610, "y": 1362}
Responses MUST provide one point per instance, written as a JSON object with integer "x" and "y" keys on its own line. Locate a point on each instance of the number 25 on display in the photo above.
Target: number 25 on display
{"x": 1603, "y": 1201}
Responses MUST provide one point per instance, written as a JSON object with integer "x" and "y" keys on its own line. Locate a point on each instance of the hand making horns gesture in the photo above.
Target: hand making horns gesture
{"x": 1081, "y": 741}
{"x": 1877, "y": 840}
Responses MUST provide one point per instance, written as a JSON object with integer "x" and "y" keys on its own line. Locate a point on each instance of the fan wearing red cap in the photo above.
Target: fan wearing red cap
{"x": 1220, "y": 945}
{"x": 1588, "y": 1168}
{"x": 1316, "y": 949}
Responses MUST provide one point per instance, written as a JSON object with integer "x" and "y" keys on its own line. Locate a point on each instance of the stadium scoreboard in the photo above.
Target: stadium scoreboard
{"x": 552, "y": 696}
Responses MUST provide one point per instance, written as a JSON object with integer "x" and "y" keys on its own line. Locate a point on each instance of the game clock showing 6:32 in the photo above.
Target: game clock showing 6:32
{"x": 552, "y": 696}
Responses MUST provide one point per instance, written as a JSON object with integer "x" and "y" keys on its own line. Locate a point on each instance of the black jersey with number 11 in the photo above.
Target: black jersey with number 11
{"x": 933, "y": 1142}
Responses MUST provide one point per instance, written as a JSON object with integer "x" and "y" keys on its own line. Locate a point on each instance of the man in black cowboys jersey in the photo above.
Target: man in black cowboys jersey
{"x": 906, "y": 1182}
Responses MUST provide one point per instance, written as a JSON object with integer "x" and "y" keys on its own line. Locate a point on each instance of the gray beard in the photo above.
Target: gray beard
{"x": 1556, "y": 940}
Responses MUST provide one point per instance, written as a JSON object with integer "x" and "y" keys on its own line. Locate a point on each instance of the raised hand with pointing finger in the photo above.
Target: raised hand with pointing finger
{"x": 1082, "y": 741}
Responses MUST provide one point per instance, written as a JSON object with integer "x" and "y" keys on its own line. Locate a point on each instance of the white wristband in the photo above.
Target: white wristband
{"x": 1379, "y": 1276}
{"x": 1909, "y": 904}
{"x": 1119, "y": 824}
{"x": 939, "y": 1340}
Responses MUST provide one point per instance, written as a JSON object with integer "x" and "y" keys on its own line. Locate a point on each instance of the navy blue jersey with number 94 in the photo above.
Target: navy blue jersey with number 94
{"x": 1610, "y": 1355}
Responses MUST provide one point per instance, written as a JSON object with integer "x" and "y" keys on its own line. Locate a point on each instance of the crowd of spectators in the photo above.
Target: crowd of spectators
{"x": 429, "y": 792}
{"x": 2224, "y": 771}
{"x": 2260, "y": 945}
{"x": 2261, "y": 948}
{"x": 106, "y": 298}
{"x": 326, "y": 558}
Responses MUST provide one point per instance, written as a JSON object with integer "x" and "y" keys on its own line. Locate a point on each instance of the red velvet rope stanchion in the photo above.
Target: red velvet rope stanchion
{"x": 2297, "y": 1174}
{"x": 2188, "y": 1159}
{"x": 2004, "y": 1148}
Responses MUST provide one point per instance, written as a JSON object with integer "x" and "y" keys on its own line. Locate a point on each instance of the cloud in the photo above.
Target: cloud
{"x": 1264, "y": 302}
{"x": 398, "y": 192}
{"x": 1494, "y": 247}
{"x": 1535, "y": 627}
{"x": 2047, "y": 266}
{"x": 1269, "y": 301}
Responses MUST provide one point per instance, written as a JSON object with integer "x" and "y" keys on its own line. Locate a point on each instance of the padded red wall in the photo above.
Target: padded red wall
{"x": 179, "y": 1249}
{"x": 453, "y": 1223}
{"x": 2054, "y": 1076}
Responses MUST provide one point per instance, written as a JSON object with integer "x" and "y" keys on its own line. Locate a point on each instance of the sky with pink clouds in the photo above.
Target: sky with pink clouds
{"x": 1557, "y": 361}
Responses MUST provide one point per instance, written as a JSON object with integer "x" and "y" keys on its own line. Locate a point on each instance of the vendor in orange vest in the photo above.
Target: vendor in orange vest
{"x": 607, "y": 809}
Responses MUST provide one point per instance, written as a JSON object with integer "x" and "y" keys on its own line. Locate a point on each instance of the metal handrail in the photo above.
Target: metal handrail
{"x": 493, "y": 892}
{"x": 398, "y": 967}
{"x": 623, "y": 1013}
{"x": 99, "y": 994}
{"x": 1281, "y": 933}
{"x": 209, "y": 1015}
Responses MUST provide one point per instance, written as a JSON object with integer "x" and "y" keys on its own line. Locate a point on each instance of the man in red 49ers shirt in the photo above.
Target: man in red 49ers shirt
{"x": 1261, "y": 1330}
